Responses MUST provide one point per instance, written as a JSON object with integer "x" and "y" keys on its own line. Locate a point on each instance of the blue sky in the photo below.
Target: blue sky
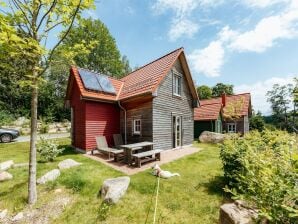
{"x": 251, "y": 44}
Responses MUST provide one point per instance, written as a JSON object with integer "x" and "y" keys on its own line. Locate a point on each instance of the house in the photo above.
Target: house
{"x": 213, "y": 114}
{"x": 153, "y": 103}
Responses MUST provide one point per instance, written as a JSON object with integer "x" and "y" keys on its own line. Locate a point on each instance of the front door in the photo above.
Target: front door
{"x": 177, "y": 131}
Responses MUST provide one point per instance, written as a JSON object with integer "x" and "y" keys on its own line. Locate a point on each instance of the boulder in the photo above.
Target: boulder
{"x": 235, "y": 213}
{"x": 113, "y": 189}
{"x": 49, "y": 176}
{"x": 18, "y": 217}
{"x": 211, "y": 137}
{"x": 6, "y": 165}
{"x": 5, "y": 176}
{"x": 3, "y": 214}
{"x": 68, "y": 163}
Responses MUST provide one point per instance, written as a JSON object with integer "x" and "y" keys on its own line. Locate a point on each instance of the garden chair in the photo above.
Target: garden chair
{"x": 102, "y": 146}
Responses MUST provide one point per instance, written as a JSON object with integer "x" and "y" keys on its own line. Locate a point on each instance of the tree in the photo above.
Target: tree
{"x": 257, "y": 122}
{"x": 232, "y": 111}
{"x": 221, "y": 88}
{"x": 279, "y": 98}
{"x": 204, "y": 92}
{"x": 104, "y": 57}
{"x": 126, "y": 67}
{"x": 25, "y": 27}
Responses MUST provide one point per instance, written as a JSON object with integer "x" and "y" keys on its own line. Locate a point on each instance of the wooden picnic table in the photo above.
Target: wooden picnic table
{"x": 130, "y": 148}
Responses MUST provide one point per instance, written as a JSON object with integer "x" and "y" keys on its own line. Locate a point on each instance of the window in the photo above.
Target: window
{"x": 137, "y": 126}
{"x": 231, "y": 128}
{"x": 177, "y": 85}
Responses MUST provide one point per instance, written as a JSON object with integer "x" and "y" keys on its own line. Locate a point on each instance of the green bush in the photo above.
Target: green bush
{"x": 259, "y": 168}
{"x": 48, "y": 150}
{"x": 6, "y": 118}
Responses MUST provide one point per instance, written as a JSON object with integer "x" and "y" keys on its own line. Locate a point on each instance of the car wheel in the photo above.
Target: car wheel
{"x": 5, "y": 138}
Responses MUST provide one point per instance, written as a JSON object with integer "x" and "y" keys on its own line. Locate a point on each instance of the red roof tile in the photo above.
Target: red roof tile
{"x": 146, "y": 78}
{"x": 209, "y": 109}
{"x": 207, "y": 112}
{"x": 143, "y": 80}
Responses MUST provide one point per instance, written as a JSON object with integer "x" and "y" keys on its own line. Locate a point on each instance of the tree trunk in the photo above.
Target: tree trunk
{"x": 32, "y": 193}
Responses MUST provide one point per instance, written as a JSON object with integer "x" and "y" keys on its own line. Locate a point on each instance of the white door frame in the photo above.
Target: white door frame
{"x": 177, "y": 131}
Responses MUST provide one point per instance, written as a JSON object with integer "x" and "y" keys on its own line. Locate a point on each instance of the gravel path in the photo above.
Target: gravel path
{"x": 47, "y": 136}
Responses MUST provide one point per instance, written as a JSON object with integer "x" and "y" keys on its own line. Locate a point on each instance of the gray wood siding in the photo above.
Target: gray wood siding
{"x": 143, "y": 112}
{"x": 242, "y": 125}
{"x": 165, "y": 105}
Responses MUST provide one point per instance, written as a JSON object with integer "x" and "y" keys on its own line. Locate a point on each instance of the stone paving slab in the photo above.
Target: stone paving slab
{"x": 166, "y": 157}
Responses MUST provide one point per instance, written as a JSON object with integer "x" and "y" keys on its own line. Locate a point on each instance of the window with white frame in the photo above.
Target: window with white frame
{"x": 177, "y": 85}
{"x": 137, "y": 126}
{"x": 232, "y": 128}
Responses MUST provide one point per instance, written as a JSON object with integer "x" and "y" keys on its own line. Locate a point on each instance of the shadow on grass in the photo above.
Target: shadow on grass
{"x": 68, "y": 150}
{"x": 214, "y": 186}
{"x": 13, "y": 188}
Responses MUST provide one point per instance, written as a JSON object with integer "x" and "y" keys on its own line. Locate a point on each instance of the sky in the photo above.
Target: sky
{"x": 251, "y": 44}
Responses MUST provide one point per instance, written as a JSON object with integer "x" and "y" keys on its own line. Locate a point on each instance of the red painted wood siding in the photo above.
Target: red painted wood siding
{"x": 78, "y": 106}
{"x": 101, "y": 119}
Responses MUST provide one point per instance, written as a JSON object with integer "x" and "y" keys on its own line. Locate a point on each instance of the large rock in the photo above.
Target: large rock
{"x": 113, "y": 189}
{"x": 5, "y": 176}
{"x": 3, "y": 214}
{"x": 68, "y": 163}
{"x": 236, "y": 213}
{"x": 18, "y": 217}
{"x": 211, "y": 137}
{"x": 49, "y": 176}
{"x": 6, "y": 165}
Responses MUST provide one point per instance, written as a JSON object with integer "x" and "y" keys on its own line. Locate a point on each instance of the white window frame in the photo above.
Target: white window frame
{"x": 231, "y": 130}
{"x": 137, "y": 127}
{"x": 177, "y": 84}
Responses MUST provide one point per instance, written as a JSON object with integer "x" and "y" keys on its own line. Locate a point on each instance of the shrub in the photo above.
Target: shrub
{"x": 48, "y": 150}
{"x": 259, "y": 168}
{"x": 6, "y": 118}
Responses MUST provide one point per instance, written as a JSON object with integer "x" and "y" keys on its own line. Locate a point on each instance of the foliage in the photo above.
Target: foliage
{"x": 48, "y": 150}
{"x": 221, "y": 88}
{"x": 281, "y": 97}
{"x": 104, "y": 56}
{"x": 204, "y": 92}
{"x": 256, "y": 122}
{"x": 232, "y": 110}
{"x": 6, "y": 117}
{"x": 259, "y": 169}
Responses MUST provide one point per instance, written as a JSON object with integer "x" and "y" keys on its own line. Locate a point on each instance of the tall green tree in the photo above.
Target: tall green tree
{"x": 221, "y": 88}
{"x": 25, "y": 27}
{"x": 279, "y": 98}
{"x": 104, "y": 56}
{"x": 204, "y": 92}
{"x": 256, "y": 122}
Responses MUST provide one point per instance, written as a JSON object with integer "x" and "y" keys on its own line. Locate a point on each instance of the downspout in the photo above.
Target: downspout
{"x": 125, "y": 138}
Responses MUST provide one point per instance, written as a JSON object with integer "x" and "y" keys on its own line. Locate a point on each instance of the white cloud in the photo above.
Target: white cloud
{"x": 208, "y": 60}
{"x": 264, "y": 36}
{"x": 258, "y": 92}
{"x": 267, "y": 32}
{"x": 182, "y": 27}
{"x": 263, "y": 3}
{"x": 181, "y": 24}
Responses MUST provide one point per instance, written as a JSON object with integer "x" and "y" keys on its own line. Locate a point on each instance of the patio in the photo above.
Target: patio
{"x": 166, "y": 157}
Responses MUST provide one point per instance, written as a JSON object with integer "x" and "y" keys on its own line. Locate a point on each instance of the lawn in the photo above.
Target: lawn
{"x": 194, "y": 197}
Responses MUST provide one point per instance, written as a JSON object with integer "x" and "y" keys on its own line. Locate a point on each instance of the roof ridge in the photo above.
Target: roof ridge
{"x": 152, "y": 62}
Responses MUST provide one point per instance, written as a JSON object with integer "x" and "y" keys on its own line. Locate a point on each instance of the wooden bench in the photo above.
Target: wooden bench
{"x": 143, "y": 157}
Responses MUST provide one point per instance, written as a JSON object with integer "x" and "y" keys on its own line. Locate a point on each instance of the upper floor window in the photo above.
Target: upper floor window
{"x": 137, "y": 126}
{"x": 177, "y": 85}
{"x": 231, "y": 128}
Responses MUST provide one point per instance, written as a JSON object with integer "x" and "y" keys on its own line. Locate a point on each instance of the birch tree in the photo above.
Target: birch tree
{"x": 26, "y": 26}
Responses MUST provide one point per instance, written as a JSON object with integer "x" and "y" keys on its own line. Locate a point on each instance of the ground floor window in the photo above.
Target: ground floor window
{"x": 137, "y": 126}
{"x": 232, "y": 128}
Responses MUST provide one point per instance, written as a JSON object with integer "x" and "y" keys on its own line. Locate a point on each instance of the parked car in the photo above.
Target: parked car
{"x": 7, "y": 135}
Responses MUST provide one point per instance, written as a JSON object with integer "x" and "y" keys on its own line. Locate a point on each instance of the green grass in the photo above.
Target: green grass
{"x": 194, "y": 197}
